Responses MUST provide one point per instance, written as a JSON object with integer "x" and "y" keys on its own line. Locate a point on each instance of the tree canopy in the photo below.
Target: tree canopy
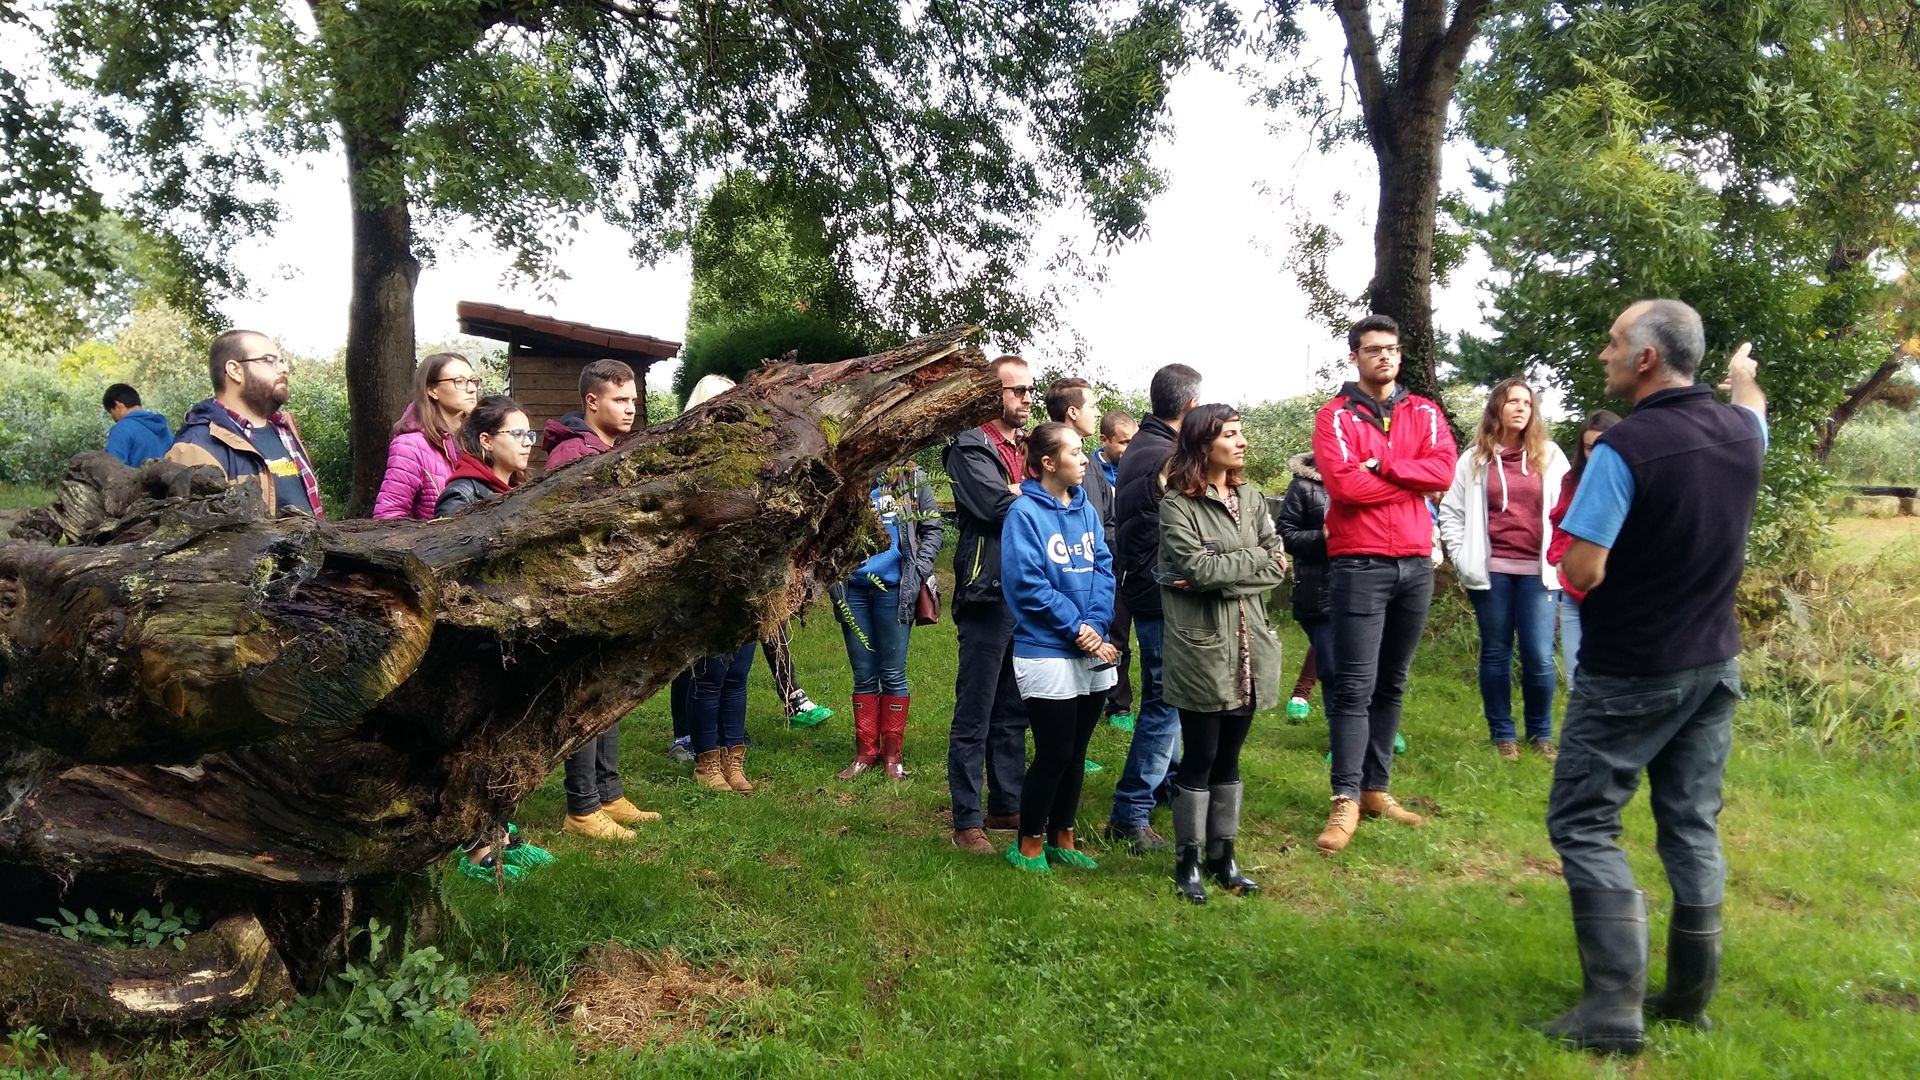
{"x": 1760, "y": 161}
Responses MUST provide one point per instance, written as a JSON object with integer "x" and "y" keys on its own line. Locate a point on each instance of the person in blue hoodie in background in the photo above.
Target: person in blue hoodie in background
{"x": 138, "y": 435}
{"x": 1057, "y": 576}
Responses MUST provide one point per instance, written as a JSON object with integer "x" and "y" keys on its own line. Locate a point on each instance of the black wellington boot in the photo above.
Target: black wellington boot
{"x": 1223, "y": 824}
{"x": 1189, "y": 833}
{"x": 1610, "y": 926}
{"x": 1693, "y": 966}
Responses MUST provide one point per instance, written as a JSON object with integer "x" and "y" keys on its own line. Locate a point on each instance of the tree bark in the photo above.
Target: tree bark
{"x": 379, "y": 313}
{"x": 287, "y": 716}
{"x": 1405, "y": 118}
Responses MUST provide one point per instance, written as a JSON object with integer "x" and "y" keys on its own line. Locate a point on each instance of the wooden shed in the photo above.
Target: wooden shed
{"x": 545, "y": 355}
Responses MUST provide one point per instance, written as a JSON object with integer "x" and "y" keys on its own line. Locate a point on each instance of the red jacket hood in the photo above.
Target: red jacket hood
{"x": 1381, "y": 511}
{"x": 473, "y": 468}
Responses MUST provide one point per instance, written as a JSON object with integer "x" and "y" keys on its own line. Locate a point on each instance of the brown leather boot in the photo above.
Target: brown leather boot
{"x": 1342, "y": 820}
{"x": 893, "y": 733}
{"x": 624, "y": 812}
{"x": 1381, "y": 804}
{"x": 736, "y": 769}
{"x": 866, "y": 736}
{"x": 710, "y": 770}
{"x": 974, "y": 842}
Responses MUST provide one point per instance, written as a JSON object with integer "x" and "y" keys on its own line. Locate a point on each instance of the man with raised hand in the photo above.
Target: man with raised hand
{"x": 1659, "y": 527}
{"x": 1380, "y": 450}
{"x": 989, "y": 719}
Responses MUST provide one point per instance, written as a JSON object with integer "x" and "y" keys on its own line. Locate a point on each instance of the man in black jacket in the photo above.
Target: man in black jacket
{"x": 1136, "y": 514}
{"x": 989, "y": 719}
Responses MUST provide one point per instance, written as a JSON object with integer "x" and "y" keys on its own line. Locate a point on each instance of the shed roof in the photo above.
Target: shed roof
{"x": 526, "y": 332}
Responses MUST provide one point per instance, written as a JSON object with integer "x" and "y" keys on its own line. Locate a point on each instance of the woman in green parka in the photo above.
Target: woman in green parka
{"x": 1219, "y": 556}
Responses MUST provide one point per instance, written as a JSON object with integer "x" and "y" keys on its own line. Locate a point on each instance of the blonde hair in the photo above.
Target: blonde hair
{"x": 1491, "y": 436}
{"x": 709, "y": 386}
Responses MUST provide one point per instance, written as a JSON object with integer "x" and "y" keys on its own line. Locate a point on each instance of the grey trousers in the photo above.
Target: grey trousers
{"x": 1678, "y": 728}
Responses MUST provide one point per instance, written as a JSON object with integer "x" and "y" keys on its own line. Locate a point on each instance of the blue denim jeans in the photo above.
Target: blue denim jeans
{"x": 1156, "y": 731}
{"x": 1678, "y": 727}
{"x": 717, "y": 699}
{"x": 880, "y": 662}
{"x": 1517, "y": 605}
{"x": 1569, "y": 638}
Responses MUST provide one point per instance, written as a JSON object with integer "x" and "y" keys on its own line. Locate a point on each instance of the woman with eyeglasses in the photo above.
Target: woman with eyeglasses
{"x": 421, "y": 457}
{"x": 495, "y": 443}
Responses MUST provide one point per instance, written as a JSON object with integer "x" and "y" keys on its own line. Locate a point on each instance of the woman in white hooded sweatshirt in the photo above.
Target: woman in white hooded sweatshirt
{"x": 1494, "y": 522}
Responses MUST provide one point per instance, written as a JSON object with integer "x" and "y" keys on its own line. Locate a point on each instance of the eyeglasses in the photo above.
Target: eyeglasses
{"x": 469, "y": 381}
{"x": 1017, "y": 391}
{"x": 1374, "y": 351}
{"x": 271, "y": 360}
{"x": 525, "y": 435}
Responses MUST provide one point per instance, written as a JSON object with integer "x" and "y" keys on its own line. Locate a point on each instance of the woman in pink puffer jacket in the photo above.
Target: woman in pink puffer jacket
{"x": 421, "y": 456}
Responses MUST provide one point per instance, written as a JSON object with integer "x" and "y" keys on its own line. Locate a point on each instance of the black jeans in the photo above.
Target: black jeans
{"x": 1119, "y": 630}
{"x": 1061, "y": 730}
{"x": 989, "y": 719}
{"x": 593, "y": 774}
{"x": 1379, "y": 609}
{"x": 1211, "y": 743}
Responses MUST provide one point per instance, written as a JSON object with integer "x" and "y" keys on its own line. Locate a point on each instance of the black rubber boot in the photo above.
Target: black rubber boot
{"x": 1189, "y": 833}
{"x": 1610, "y": 926}
{"x": 1223, "y": 824}
{"x": 1693, "y": 966}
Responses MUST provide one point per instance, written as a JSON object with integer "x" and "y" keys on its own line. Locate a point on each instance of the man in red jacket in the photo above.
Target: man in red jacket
{"x": 1380, "y": 451}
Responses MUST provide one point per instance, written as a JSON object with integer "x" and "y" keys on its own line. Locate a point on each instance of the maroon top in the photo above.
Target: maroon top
{"x": 1009, "y": 450}
{"x": 1514, "y": 528}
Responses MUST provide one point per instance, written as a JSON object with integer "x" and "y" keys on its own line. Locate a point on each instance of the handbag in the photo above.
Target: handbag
{"x": 926, "y": 606}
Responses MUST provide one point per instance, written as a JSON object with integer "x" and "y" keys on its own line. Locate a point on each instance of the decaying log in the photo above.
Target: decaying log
{"x": 291, "y": 715}
{"x": 229, "y": 969}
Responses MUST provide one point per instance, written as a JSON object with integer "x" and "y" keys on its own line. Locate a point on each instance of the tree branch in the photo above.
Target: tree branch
{"x": 1856, "y": 398}
{"x": 1364, "y": 49}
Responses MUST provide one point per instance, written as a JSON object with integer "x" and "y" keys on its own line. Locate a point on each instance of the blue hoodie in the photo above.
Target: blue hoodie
{"x": 1055, "y": 572}
{"x": 883, "y": 566}
{"x": 140, "y": 436}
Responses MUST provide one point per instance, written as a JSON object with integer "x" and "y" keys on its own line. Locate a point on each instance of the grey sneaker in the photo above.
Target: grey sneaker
{"x": 681, "y": 750}
{"x": 1138, "y": 841}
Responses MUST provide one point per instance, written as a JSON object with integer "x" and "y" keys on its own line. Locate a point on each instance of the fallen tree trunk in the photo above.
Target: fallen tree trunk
{"x": 294, "y": 716}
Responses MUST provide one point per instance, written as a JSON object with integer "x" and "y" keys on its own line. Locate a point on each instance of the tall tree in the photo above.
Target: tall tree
{"x": 1758, "y": 160}
{"x": 1405, "y": 71}
{"x": 936, "y": 134}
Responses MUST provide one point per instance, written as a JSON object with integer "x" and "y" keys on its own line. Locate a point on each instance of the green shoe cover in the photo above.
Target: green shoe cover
{"x": 482, "y": 871}
{"x": 1093, "y": 766}
{"x": 522, "y": 854}
{"x": 1079, "y": 860}
{"x": 1399, "y": 743}
{"x": 1122, "y": 721}
{"x": 1035, "y": 865}
{"x": 813, "y": 717}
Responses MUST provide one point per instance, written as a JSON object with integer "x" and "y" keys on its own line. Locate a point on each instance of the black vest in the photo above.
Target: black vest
{"x": 1667, "y": 601}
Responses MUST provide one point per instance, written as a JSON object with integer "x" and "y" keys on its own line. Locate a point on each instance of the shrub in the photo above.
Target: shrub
{"x": 735, "y": 348}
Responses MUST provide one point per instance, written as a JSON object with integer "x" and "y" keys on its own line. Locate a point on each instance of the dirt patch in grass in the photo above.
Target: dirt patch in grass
{"x": 1894, "y": 999}
{"x": 499, "y": 998}
{"x": 628, "y": 997}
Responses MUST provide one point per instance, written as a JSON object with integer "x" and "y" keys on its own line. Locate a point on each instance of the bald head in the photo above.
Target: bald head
{"x": 1670, "y": 328}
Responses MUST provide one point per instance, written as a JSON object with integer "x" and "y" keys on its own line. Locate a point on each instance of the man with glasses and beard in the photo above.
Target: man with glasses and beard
{"x": 242, "y": 431}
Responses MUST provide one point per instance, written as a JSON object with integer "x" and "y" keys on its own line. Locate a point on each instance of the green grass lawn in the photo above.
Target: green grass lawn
{"x": 830, "y": 928}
